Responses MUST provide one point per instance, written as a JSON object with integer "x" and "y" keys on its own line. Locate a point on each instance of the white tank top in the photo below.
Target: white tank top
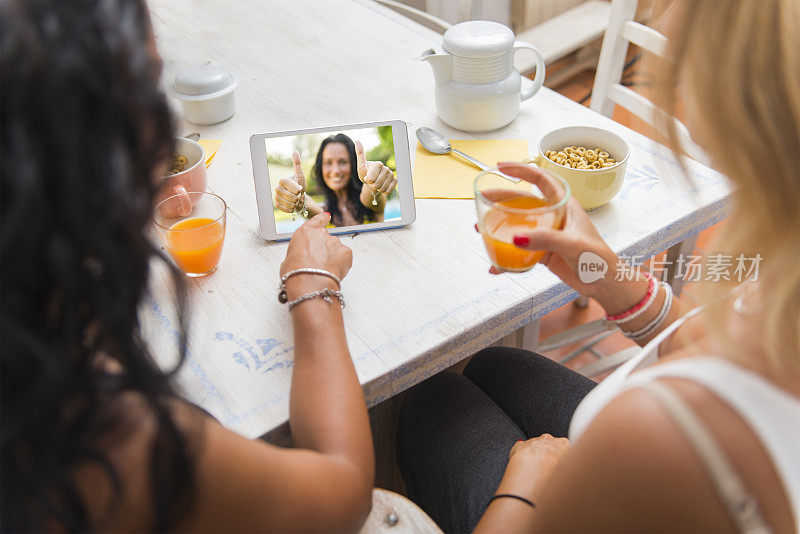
{"x": 772, "y": 414}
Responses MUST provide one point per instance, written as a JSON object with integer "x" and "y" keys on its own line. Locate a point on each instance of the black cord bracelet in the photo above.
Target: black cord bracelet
{"x": 510, "y": 496}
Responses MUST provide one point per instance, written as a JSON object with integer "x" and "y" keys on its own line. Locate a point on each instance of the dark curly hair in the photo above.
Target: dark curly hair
{"x": 84, "y": 132}
{"x": 360, "y": 212}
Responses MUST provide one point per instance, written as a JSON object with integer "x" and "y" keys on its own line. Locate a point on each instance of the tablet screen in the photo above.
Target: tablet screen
{"x": 350, "y": 173}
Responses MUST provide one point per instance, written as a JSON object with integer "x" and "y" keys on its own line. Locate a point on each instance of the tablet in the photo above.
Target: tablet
{"x": 327, "y": 176}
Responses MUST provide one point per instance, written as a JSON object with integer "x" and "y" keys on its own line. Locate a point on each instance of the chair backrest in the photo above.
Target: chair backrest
{"x": 426, "y": 19}
{"x": 608, "y": 91}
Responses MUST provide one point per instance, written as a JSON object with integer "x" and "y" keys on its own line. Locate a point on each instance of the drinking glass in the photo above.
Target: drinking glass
{"x": 192, "y": 235}
{"x": 506, "y": 208}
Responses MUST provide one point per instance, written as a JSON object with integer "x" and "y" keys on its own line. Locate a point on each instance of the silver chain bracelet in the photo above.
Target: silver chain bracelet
{"x": 326, "y": 295}
{"x": 283, "y": 298}
{"x": 303, "y": 210}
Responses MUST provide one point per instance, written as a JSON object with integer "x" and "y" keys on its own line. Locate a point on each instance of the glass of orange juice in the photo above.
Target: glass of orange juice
{"x": 193, "y": 237}
{"x": 507, "y": 208}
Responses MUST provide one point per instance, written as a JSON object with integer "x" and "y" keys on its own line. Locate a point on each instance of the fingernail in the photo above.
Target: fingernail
{"x": 327, "y": 213}
{"x": 520, "y": 440}
{"x": 521, "y": 240}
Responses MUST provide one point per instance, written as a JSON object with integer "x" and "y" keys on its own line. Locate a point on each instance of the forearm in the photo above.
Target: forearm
{"x": 508, "y": 514}
{"x": 326, "y": 409}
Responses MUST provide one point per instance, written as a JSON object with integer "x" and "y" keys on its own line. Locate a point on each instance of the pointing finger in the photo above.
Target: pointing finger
{"x": 361, "y": 161}
{"x": 319, "y": 220}
{"x": 299, "y": 177}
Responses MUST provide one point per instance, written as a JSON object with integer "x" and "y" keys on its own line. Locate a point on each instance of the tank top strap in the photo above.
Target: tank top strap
{"x": 740, "y": 504}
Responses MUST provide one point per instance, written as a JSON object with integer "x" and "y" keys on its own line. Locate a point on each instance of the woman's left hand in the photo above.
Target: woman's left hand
{"x": 530, "y": 464}
{"x": 375, "y": 174}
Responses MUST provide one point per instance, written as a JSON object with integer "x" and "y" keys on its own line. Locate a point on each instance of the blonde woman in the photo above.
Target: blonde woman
{"x": 706, "y": 438}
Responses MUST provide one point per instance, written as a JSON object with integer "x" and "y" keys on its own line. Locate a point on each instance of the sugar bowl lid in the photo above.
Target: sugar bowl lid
{"x": 200, "y": 82}
{"x": 478, "y": 39}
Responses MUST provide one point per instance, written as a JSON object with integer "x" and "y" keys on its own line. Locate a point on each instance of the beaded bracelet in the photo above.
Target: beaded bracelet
{"x": 639, "y": 308}
{"x": 652, "y": 326}
{"x": 283, "y": 298}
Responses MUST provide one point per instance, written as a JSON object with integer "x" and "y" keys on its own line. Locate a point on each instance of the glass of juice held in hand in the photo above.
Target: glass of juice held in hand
{"x": 193, "y": 236}
{"x": 506, "y": 209}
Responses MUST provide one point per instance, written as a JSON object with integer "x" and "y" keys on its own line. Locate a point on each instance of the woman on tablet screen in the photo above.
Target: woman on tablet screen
{"x": 355, "y": 189}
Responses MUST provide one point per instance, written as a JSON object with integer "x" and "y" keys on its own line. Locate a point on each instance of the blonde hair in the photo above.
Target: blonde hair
{"x": 738, "y": 64}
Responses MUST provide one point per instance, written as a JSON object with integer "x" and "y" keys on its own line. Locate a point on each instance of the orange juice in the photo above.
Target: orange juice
{"x": 499, "y": 227}
{"x": 196, "y": 244}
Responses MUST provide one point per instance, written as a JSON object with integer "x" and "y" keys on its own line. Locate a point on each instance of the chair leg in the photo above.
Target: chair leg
{"x": 682, "y": 249}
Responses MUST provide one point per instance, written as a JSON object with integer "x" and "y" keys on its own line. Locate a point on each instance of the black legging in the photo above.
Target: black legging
{"x": 456, "y": 430}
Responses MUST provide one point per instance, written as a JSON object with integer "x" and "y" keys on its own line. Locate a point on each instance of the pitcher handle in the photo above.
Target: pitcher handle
{"x": 538, "y": 80}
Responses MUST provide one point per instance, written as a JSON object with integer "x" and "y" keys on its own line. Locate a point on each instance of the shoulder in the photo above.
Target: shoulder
{"x": 632, "y": 470}
{"x": 134, "y": 435}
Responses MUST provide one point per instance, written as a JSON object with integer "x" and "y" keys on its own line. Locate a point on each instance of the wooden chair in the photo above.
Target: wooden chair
{"x": 609, "y": 92}
{"x": 554, "y": 38}
{"x": 394, "y": 514}
{"x": 621, "y": 31}
{"x": 564, "y": 34}
{"x": 426, "y": 19}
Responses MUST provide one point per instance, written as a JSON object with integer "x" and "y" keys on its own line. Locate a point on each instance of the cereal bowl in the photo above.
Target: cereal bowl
{"x": 191, "y": 179}
{"x": 592, "y": 187}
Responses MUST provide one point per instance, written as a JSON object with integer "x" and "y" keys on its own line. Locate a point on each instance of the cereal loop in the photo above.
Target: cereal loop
{"x": 578, "y": 157}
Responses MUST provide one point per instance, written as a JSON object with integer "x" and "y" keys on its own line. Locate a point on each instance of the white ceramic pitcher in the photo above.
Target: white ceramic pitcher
{"x": 477, "y": 86}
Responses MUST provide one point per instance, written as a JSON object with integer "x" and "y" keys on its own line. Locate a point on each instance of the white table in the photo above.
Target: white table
{"x": 419, "y": 299}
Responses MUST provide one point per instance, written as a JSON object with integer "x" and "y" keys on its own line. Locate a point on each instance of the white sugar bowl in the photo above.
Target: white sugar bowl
{"x": 206, "y": 93}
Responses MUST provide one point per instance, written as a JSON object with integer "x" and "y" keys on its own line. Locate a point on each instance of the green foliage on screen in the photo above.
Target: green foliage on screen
{"x": 384, "y": 152}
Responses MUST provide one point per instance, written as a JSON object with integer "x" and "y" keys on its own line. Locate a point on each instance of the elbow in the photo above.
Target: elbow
{"x": 360, "y": 503}
{"x": 358, "y": 500}
{"x": 359, "y": 513}
{"x": 344, "y": 500}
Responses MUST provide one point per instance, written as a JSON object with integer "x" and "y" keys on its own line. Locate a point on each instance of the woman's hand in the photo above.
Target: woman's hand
{"x": 375, "y": 174}
{"x": 312, "y": 246}
{"x": 567, "y": 246}
{"x": 289, "y": 193}
{"x": 530, "y": 464}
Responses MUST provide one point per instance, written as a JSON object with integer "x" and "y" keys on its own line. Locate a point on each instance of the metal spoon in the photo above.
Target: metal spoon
{"x": 436, "y": 143}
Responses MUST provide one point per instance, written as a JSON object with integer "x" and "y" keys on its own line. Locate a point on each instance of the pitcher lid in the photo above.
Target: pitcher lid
{"x": 478, "y": 39}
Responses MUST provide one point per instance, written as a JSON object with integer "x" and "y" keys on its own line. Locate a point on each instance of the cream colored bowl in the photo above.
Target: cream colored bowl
{"x": 592, "y": 187}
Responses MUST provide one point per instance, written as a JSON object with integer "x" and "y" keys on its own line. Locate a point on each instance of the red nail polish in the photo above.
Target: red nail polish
{"x": 520, "y": 440}
{"x": 327, "y": 213}
{"x": 521, "y": 240}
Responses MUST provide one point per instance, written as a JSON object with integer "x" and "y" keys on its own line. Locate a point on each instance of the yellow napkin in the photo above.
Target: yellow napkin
{"x": 210, "y": 146}
{"x": 450, "y": 176}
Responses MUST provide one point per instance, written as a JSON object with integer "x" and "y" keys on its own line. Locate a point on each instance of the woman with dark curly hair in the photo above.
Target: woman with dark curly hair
{"x": 355, "y": 189}
{"x": 94, "y": 437}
